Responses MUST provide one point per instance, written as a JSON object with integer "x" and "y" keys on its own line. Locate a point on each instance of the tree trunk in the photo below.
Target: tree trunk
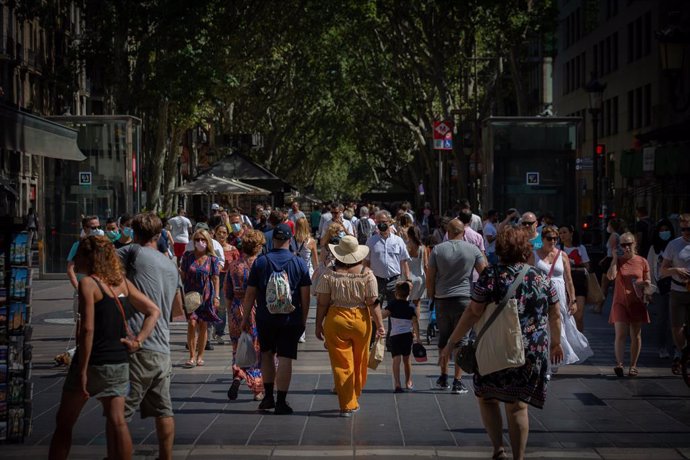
{"x": 158, "y": 159}
{"x": 517, "y": 81}
{"x": 171, "y": 169}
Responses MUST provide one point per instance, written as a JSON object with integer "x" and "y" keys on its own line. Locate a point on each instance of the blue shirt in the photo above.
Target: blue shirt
{"x": 269, "y": 240}
{"x": 298, "y": 275}
{"x": 536, "y": 241}
{"x": 385, "y": 255}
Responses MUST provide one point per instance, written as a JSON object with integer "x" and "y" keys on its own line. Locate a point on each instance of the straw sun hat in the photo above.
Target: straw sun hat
{"x": 348, "y": 250}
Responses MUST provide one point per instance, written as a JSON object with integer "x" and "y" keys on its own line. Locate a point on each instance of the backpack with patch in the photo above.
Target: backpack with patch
{"x": 278, "y": 294}
{"x": 364, "y": 230}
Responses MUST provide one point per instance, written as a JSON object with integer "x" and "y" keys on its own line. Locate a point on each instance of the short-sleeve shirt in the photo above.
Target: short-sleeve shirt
{"x": 678, "y": 252}
{"x": 454, "y": 261}
{"x": 385, "y": 255}
{"x": 402, "y": 312}
{"x": 180, "y": 227}
{"x": 490, "y": 230}
{"x": 73, "y": 251}
{"x": 298, "y": 275}
{"x": 577, "y": 255}
{"x": 157, "y": 277}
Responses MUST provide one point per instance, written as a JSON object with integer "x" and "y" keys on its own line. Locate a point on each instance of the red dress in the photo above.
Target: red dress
{"x": 628, "y": 305}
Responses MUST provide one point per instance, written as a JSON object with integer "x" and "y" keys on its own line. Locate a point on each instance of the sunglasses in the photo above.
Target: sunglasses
{"x": 551, "y": 238}
{"x": 685, "y": 229}
{"x": 527, "y": 224}
{"x": 95, "y": 227}
{"x": 626, "y": 245}
{"x": 199, "y": 239}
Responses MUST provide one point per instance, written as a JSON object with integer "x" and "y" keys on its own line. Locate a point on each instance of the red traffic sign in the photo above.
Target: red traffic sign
{"x": 443, "y": 135}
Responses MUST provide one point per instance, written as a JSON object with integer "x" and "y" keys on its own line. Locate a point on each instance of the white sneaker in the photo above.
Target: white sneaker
{"x": 303, "y": 337}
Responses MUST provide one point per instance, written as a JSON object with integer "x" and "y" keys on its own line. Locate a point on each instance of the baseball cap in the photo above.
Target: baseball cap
{"x": 215, "y": 207}
{"x": 282, "y": 232}
{"x": 201, "y": 226}
{"x": 419, "y": 352}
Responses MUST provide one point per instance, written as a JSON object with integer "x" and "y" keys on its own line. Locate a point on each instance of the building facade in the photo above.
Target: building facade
{"x": 614, "y": 41}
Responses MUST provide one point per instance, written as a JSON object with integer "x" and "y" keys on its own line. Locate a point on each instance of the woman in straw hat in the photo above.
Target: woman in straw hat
{"x": 346, "y": 306}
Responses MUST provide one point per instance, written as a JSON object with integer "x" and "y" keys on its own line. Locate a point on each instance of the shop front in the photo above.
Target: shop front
{"x": 106, "y": 184}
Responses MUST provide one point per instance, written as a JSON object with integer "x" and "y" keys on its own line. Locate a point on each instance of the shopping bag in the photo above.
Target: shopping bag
{"x": 502, "y": 346}
{"x": 594, "y": 293}
{"x": 246, "y": 354}
{"x": 376, "y": 353}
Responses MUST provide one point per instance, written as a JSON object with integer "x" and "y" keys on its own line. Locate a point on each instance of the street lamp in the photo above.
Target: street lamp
{"x": 596, "y": 90}
{"x": 673, "y": 42}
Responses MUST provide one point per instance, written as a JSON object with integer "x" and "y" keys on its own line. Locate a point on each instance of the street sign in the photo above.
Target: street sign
{"x": 85, "y": 178}
{"x": 443, "y": 135}
{"x": 532, "y": 178}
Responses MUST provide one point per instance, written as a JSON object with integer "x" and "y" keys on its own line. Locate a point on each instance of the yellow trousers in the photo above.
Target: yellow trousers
{"x": 347, "y": 332}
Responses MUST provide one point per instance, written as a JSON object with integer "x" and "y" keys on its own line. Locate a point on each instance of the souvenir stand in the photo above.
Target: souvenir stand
{"x": 15, "y": 332}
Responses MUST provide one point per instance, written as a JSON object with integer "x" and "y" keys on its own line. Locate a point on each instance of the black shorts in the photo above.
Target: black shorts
{"x": 401, "y": 344}
{"x": 281, "y": 339}
{"x": 580, "y": 281}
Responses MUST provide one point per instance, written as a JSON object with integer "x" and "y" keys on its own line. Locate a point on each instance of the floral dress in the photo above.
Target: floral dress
{"x": 198, "y": 278}
{"x": 536, "y": 293}
{"x": 236, "y": 285}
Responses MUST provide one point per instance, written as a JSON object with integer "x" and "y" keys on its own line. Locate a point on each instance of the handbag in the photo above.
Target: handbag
{"x": 376, "y": 353}
{"x": 594, "y": 293}
{"x": 504, "y": 348}
{"x": 246, "y": 354}
{"x": 192, "y": 301}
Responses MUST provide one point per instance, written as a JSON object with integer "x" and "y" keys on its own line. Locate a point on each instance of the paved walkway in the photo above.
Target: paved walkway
{"x": 589, "y": 413}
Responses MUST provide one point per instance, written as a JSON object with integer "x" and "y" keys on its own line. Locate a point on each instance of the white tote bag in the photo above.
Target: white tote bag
{"x": 246, "y": 355}
{"x": 501, "y": 346}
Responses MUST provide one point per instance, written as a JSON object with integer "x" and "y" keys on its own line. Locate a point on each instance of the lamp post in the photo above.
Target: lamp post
{"x": 673, "y": 43}
{"x": 596, "y": 90}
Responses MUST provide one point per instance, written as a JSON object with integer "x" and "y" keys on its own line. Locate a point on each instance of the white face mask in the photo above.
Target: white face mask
{"x": 97, "y": 232}
{"x": 200, "y": 245}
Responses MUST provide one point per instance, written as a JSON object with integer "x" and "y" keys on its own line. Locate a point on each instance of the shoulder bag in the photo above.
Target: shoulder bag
{"x": 503, "y": 347}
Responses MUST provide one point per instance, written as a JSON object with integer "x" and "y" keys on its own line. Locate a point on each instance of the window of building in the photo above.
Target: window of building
{"x": 638, "y": 107}
{"x": 647, "y": 33}
{"x": 631, "y": 110}
{"x": 614, "y": 117}
{"x": 647, "y": 105}
{"x": 595, "y": 57}
{"x": 614, "y": 51}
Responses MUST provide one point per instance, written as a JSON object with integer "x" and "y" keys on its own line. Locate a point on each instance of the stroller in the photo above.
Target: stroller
{"x": 432, "y": 327}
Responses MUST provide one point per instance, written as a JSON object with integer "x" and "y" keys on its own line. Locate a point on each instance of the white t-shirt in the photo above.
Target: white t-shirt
{"x": 678, "y": 252}
{"x": 490, "y": 230}
{"x": 180, "y": 227}
{"x": 476, "y": 223}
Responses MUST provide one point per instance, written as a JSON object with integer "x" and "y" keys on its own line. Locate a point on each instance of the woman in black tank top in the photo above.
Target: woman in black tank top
{"x": 100, "y": 366}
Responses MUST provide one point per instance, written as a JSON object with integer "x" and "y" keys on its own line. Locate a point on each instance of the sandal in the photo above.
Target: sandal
{"x": 189, "y": 364}
{"x": 633, "y": 372}
{"x": 500, "y": 455}
{"x": 676, "y": 367}
{"x": 201, "y": 362}
{"x": 259, "y": 396}
{"x": 618, "y": 370}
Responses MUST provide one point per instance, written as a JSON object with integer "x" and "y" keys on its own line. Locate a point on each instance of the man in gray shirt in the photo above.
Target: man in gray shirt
{"x": 150, "y": 368}
{"x": 448, "y": 283}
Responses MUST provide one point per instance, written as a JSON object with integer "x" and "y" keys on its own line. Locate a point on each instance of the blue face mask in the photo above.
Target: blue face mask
{"x": 342, "y": 234}
{"x": 128, "y": 232}
{"x": 236, "y": 228}
{"x": 665, "y": 235}
{"x": 113, "y": 235}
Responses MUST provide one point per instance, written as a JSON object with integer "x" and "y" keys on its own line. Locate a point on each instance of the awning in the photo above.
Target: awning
{"x": 34, "y": 135}
{"x": 208, "y": 183}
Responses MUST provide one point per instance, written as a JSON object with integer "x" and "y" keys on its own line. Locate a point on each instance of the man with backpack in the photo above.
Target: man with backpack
{"x": 279, "y": 283}
{"x": 365, "y": 226}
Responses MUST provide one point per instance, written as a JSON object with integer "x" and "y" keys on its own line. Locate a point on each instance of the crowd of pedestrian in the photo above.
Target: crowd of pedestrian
{"x": 252, "y": 277}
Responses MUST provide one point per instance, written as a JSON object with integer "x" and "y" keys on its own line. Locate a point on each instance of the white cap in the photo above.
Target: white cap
{"x": 215, "y": 207}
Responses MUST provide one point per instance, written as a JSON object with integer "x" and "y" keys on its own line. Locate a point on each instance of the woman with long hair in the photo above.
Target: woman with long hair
{"x": 539, "y": 315}
{"x": 579, "y": 266}
{"x": 305, "y": 245}
{"x": 663, "y": 233}
{"x": 419, "y": 264}
{"x": 200, "y": 272}
{"x": 632, "y": 280}
{"x": 221, "y": 234}
{"x": 555, "y": 265}
{"x": 236, "y": 286}
{"x": 100, "y": 367}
